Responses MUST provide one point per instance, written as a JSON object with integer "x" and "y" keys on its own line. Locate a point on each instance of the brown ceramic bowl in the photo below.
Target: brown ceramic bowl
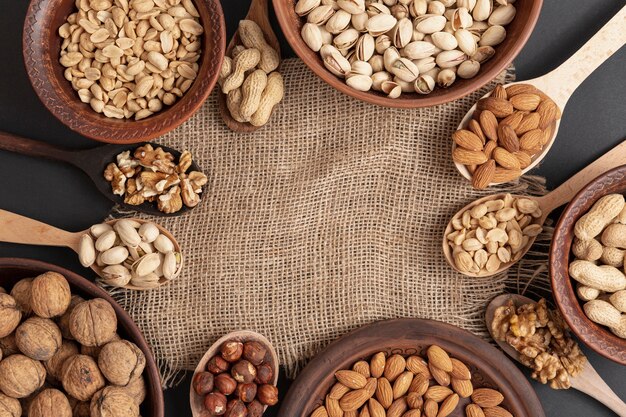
{"x": 42, "y": 44}
{"x": 518, "y": 32}
{"x": 597, "y": 337}
{"x": 14, "y": 269}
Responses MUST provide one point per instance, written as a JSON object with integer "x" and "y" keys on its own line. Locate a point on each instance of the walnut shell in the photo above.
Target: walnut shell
{"x": 20, "y": 376}
{"x": 121, "y": 362}
{"x": 94, "y": 351}
{"x": 64, "y": 320}
{"x": 136, "y": 389}
{"x": 93, "y": 322}
{"x": 113, "y": 402}
{"x": 22, "y": 294}
{"x": 10, "y": 315}
{"x": 81, "y": 377}
{"x": 81, "y": 409}
{"x": 50, "y": 295}
{"x": 50, "y": 403}
{"x": 38, "y": 338}
{"x": 54, "y": 365}
{"x": 8, "y": 345}
{"x": 9, "y": 407}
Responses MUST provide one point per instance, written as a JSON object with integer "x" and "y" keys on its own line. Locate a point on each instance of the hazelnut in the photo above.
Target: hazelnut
{"x": 264, "y": 374}
{"x": 246, "y": 392}
{"x": 236, "y": 408}
{"x": 121, "y": 362}
{"x": 267, "y": 394}
{"x": 93, "y": 322}
{"x": 10, "y": 407}
{"x": 64, "y": 321}
{"x": 244, "y": 372}
{"x": 255, "y": 409}
{"x": 38, "y": 338}
{"x": 81, "y": 377}
{"x": 217, "y": 365}
{"x": 10, "y": 315}
{"x": 203, "y": 383}
{"x": 215, "y": 403}
{"x": 231, "y": 351}
{"x": 54, "y": 365}
{"x": 225, "y": 384}
{"x": 20, "y": 376}
{"x": 50, "y": 403}
{"x": 21, "y": 293}
{"x": 50, "y": 295}
{"x": 254, "y": 352}
{"x": 113, "y": 402}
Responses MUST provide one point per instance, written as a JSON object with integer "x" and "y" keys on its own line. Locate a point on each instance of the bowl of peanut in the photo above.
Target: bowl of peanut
{"x": 587, "y": 265}
{"x": 123, "y": 71}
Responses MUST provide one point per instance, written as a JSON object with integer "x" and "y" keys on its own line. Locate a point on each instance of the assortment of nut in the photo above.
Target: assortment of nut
{"x": 541, "y": 337}
{"x": 398, "y": 386}
{"x": 238, "y": 382}
{"x": 129, "y": 252}
{"x": 127, "y": 59}
{"x": 61, "y": 355}
{"x": 493, "y": 234}
{"x": 507, "y": 131}
{"x": 152, "y": 175}
{"x": 249, "y": 77}
{"x": 600, "y": 249}
{"x": 404, "y": 46}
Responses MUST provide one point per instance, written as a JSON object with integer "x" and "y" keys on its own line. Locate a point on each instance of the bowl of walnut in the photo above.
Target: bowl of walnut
{"x": 123, "y": 71}
{"x": 67, "y": 349}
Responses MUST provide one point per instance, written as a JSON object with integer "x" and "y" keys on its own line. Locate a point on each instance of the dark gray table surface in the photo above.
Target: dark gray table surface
{"x": 593, "y": 123}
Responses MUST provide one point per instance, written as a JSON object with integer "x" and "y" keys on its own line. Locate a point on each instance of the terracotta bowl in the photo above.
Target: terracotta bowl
{"x": 597, "y": 337}
{"x": 42, "y": 44}
{"x": 518, "y": 32}
{"x": 14, "y": 269}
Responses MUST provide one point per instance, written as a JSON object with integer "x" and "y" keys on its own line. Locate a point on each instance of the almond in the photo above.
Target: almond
{"x": 439, "y": 358}
{"x": 532, "y": 141}
{"x": 505, "y": 158}
{"x": 384, "y": 392}
{"x": 506, "y": 175}
{"x": 338, "y": 390}
{"x": 460, "y": 370}
{"x": 437, "y": 393}
{"x": 431, "y": 408}
{"x": 516, "y": 89}
{"x": 472, "y": 410}
{"x": 471, "y": 168}
{"x": 507, "y": 138}
{"x": 377, "y": 365}
{"x": 376, "y": 409}
{"x": 513, "y": 120}
{"x": 448, "y": 405}
{"x": 496, "y": 412}
{"x": 402, "y": 384}
{"x": 412, "y": 413}
{"x": 398, "y": 408}
{"x": 487, "y": 397}
{"x": 498, "y": 106}
{"x": 363, "y": 368}
{"x": 414, "y": 400}
{"x": 547, "y": 111}
{"x": 529, "y": 122}
{"x": 525, "y": 101}
{"x": 319, "y": 412}
{"x": 524, "y": 159}
{"x": 548, "y": 134}
{"x": 333, "y": 408}
{"x": 489, "y": 124}
{"x": 365, "y": 412}
{"x": 420, "y": 384}
{"x": 441, "y": 376}
{"x": 466, "y": 157}
{"x": 467, "y": 140}
{"x": 475, "y": 128}
{"x": 489, "y": 147}
{"x": 396, "y": 364}
{"x": 500, "y": 92}
{"x": 418, "y": 365}
{"x": 463, "y": 387}
{"x": 351, "y": 379}
{"x": 351, "y": 413}
{"x": 370, "y": 387}
{"x": 354, "y": 400}
{"x": 483, "y": 175}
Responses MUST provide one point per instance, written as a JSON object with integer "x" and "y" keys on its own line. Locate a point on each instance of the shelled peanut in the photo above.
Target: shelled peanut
{"x": 507, "y": 132}
{"x": 600, "y": 251}
{"x": 250, "y": 79}
{"x": 413, "y": 386}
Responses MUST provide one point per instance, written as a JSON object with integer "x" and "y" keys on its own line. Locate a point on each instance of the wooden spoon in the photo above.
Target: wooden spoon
{"x": 92, "y": 162}
{"x": 563, "y": 194}
{"x": 561, "y": 83}
{"x": 23, "y": 230}
{"x": 258, "y": 13}
{"x": 197, "y": 401}
{"x": 588, "y": 381}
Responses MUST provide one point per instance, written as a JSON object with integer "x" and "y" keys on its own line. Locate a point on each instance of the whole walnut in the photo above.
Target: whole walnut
{"x": 38, "y": 338}
{"x": 121, "y": 362}
{"x": 8, "y": 345}
{"x": 64, "y": 320}
{"x": 22, "y": 294}
{"x": 20, "y": 376}
{"x": 9, "y": 407}
{"x": 50, "y": 295}
{"x": 50, "y": 403}
{"x": 93, "y": 322}
{"x": 81, "y": 377}
{"x": 81, "y": 409}
{"x": 136, "y": 390}
{"x": 94, "y": 351}
{"x": 113, "y": 402}
{"x": 10, "y": 315}
{"x": 54, "y": 365}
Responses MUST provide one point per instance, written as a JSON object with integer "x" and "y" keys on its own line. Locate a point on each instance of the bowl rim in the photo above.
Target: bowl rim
{"x": 40, "y": 70}
{"x": 597, "y": 337}
{"x": 282, "y": 9}
{"x": 153, "y": 378}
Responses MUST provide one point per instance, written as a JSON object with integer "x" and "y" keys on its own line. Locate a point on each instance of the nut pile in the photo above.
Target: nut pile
{"x": 508, "y": 129}
{"x": 129, "y": 58}
{"x": 152, "y": 175}
{"x": 493, "y": 233}
{"x": 249, "y": 78}
{"x": 238, "y": 381}
{"x": 541, "y": 337}
{"x": 600, "y": 249}
{"x": 61, "y": 355}
{"x": 130, "y": 252}
{"x": 396, "y": 386}
{"x": 404, "y": 46}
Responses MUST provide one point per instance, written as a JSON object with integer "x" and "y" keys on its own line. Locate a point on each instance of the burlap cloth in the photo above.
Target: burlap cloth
{"x": 329, "y": 218}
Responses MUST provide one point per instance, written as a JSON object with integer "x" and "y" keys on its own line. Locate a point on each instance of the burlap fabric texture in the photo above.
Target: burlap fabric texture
{"x": 329, "y": 218}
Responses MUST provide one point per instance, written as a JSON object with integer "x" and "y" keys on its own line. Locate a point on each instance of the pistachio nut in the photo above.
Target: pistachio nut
{"x": 106, "y": 241}
{"x": 359, "y": 82}
{"x": 400, "y": 11}
{"x": 467, "y": 4}
{"x": 86, "y": 251}
{"x": 98, "y": 229}
{"x": 373, "y": 9}
{"x": 377, "y": 62}
{"x": 383, "y": 42}
{"x": 114, "y": 256}
{"x": 134, "y": 253}
{"x": 419, "y": 50}
{"x": 163, "y": 244}
{"x": 361, "y": 68}
{"x": 402, "y": 33}
{"x": 378, "y": 78}
{"x": 436, "y": 8}
{"x": 149, "y": 232}
{"x": 502, "y": 15}
{"x": 493, "y": 36}
{"x": 466, "y": 41}
{"x": 170, "y": 266}
{"x": 380, "y": 24}
{"x": 320, "y": 15}
{"x": 146, "y": 264}
{"x": 449, "y": 59}
{"x": 365, "y": 47}
{"x": 346, "y": 40}
{"x": 430, "y": 24}
{"x": 483, "y": 53}
{"x": 468, "y": 69}
{"x": 304, "y": 7}
{"x": 482, "y": 10}
{"x": 146, "y": 281}
{"x": 418, "y": 8}
{"x": 352, "y": 6}
{"x": 434, "y": 72}
{"x": 390, "y": 57}
{"x": 338, "y": 22}
{"x": 425, "y": 84}
{"x": 461, "y": 19}
{"x": 405, "y": 70}
{"x": 312, "y": 36}
{"x": 332, "y": 3}
{"x": 444, "y": 41}
{"x": 446, "y": 78}
{"x": 127, "y": 233}
{"x": 359, "y": 21}
{"x": 334, "y": 61}
{"x": 425, "y": 64}
{"x": 327, "y": 37}
{"x": 391, "y": 88}
{"x": 407, "y": 87}
{"x": 116, "y": 275}
{"x": 417, "y": 36}
{"x": 477, "y": 29}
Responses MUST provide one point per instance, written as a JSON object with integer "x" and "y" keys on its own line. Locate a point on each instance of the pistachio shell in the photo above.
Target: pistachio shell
{"x": 359, "y": 21}
{"x": 98, "y": 229}
{"x": 170, "y": 266}
{"x": 304, "y": 7}
{"x": 378, "y": 78}
{"x": 338, "y": 22}
{"x": 425, "y": 64}
{"x": 147, "y": 264}
{"x": 106, "y": 241}
{"x": 392, "y": 89}
{"x": 380, "y": 23}
{"x": 377, "y": 8}
{"x": 405, "y": 70}
{"x": 431, "y": 24}
{"x": 449, "y": 59}
{"x": 483, "y": 53}
{"x": 149, "y": 232}
{"x": 163, "y": 244}
{"x": 482, "y": 10}
{"x": 502, "y": 15}
{"x": 377, "y": 62}
{"x": 383, "y": 42}
{"x": 424, "y": 84}
{"x": 468, "y": 69}
{"x": 390, "y": 57}
{"x": 361, "y": 68}
{"x": 418, "y": 8}
{"x": 86, "y": 251}
{"x": 402, "y": 33}
{"x": 444, "y": 40}
{"x": 446, "y": 78}
{"x": 365, "y": 47}
{"x": 146, "y": 281}
{"x": 127, "y": 233}
{"x": 419, "y": 50}
{"x": 352, "y": 6}
{"x": 320, "y": 15}
{"x": 114, "y": 256}
{"x": 116, "y": 275}
{"x": 334, "y": 61}
{"x": 493, "y": 36}
{"x": 312, "y": 36}
{"x": 461, "y": 19}
{"x": 360, "y": 82}
{"x": 346, "y": 40}
{"x": 466, "y": 41}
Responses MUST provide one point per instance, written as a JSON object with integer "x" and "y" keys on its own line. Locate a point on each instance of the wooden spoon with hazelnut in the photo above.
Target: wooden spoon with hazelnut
{"x": 548, "y": 203}
{"x": 223, "y": 358}
{"x": 588, "y": 381}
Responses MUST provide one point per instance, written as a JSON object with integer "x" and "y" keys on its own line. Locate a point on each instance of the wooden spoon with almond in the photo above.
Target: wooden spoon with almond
{"x": 562, "y": 82}
{"x": 588, "y": 381}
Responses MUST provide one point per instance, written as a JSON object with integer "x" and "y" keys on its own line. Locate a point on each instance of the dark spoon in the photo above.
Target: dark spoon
{"x": 91, "y": 161}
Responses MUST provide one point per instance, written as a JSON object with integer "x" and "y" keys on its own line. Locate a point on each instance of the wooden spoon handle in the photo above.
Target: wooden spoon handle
{"x": 259, "y": 12}
{"x": 19, "y": 229}
{"x": 561, "y": 83}
{"x": 14, "y": 143}
{"x": 612, "y": 159}
{"x": 593, "y": 385}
